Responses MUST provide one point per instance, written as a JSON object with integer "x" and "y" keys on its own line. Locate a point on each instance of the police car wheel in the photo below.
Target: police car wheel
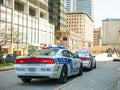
{"x": 26, "y": 80}
{"x": 63, "y": 75}
{"x": 80, "y": 70}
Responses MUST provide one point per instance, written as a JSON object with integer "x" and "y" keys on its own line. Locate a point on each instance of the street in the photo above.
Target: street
{"x": 105, "y": 77}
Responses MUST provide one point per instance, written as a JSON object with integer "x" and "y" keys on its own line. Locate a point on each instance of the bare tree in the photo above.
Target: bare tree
{"x": 5, "y": 37}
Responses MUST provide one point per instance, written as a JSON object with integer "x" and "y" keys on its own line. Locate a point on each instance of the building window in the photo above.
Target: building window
{"x": 58, "y": 17}
{"x": 41, "y": 15}
{"x": 1, "y": 1}
{"x": 18, "y": 6}
{"x": 4, "y": 2}
{"x": 33, "y": 30}
{"x": 31, "y": 12}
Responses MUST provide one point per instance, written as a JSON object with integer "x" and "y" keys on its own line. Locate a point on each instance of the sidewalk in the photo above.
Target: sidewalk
{"x": 5, "y": 68}
{"x": 103, "y": 57}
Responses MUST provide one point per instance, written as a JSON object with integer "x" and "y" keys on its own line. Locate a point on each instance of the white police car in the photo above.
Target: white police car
{"x": 87, "y": 58}
{"x": 54, "y": 63}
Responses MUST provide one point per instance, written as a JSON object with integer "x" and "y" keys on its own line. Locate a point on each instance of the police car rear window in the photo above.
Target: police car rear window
{"x": 83, "y": 54}
{"x": 45, "y": 52}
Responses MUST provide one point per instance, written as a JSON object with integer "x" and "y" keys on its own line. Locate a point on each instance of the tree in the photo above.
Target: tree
{"x": 5, "y": 37}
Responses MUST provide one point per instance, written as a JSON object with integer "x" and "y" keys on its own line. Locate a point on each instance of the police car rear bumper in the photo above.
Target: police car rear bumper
{"x": 86, "y": 64}
{"x": 44, "y": 71}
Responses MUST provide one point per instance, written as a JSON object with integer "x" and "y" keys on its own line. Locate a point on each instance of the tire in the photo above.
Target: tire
{"x": 80, "y": 70}
{"x": 63, "y": 76}
{"x": 26, "y": 80}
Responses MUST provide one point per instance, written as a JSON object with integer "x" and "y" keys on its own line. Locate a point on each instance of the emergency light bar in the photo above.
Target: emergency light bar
{"x": 57, "y": 47}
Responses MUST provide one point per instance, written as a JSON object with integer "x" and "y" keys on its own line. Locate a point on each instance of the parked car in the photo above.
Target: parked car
{"x": 51, "y": 63}
{"x": 1, "y": 59}
{"x": 88, "y": 60}
{"x": 10, "y": 58}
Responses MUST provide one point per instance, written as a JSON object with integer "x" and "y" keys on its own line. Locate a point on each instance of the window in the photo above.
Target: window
{"x": 58, "y": 17}
{"x": 18, "y": 6}
{"x": 41, "y": 15}
{"x": 31, "y": 12}
{"x": 65, "y": 54}
{"x": 70, "y": 54}
{"x": 1, "y": 1}
{"x": 20, "y": 18}
{"x": 45, "y": 52}
{"x": 3, "y": 13}
{"x": 9, "y": 12}
{"x": 58, "y": 23}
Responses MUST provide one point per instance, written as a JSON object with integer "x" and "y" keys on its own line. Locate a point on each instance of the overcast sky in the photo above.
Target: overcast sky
{"x": 105, "y": 9}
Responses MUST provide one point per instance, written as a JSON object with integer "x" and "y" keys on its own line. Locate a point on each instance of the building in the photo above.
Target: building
{"x": 25, "y": 25}
{"x": 83, "y": 25}
{"x": 57, "y": 16}
{"x": 110, "y": 32}
{"x": 85, "y": 6}
{"x": 97, "y": 37}
{"x": 73, "y": 41}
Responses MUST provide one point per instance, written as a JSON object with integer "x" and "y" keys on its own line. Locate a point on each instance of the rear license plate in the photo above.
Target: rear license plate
{"x": 31, "y": 69}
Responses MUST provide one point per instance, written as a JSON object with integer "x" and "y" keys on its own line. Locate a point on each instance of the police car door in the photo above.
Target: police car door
{"x": 75, "y": 61}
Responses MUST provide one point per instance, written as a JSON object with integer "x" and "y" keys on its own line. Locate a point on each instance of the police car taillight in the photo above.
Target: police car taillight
{"x": 47, "y": 61}
{"x": 35, "y": 60}
{"x": 84, "y": 59}
{"x": 20, "y": 61}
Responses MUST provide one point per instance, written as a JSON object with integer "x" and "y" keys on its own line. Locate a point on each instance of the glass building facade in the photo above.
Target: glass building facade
{"x": 23, "y": 27}
{"x": 85, "y": 6}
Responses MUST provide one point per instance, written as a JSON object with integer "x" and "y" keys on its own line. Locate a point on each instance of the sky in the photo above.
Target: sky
{"x": 105, "y": 9}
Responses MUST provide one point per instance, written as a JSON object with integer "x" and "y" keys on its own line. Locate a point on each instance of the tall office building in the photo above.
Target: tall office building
{"x": 57, "y": 16}
{"x": 85, "y": 6}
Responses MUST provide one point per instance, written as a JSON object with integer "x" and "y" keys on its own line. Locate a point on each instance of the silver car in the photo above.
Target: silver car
{"x": 89, "y": 61}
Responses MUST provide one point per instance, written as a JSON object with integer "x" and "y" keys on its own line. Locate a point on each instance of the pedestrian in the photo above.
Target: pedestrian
{"x": 45, "y": 46}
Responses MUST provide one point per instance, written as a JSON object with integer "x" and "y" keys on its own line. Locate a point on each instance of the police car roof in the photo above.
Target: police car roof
{"x": 84, "y": 50}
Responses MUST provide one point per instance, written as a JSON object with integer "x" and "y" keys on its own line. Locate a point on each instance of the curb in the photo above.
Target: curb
{"x": 6, "y": 68}
{"x": 71, "y": 82}
{"x": 116, "y": 59}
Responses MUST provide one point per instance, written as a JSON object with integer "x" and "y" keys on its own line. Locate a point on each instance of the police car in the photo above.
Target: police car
{"x": 87, "y": 58}
{"x": 53, "y": 63}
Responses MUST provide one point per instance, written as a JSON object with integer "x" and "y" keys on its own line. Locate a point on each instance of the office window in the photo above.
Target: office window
{"x": 31, "y": 12}
{"x": 25, "y": 20}
{"x": 9, "y": 14}
{"x": 18, "y": 6}
{"x": 3, "y": 13}
{"x": 1, "y": 1}
{"x": 24, "y": 34}
{"x": 20, "y": 18}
